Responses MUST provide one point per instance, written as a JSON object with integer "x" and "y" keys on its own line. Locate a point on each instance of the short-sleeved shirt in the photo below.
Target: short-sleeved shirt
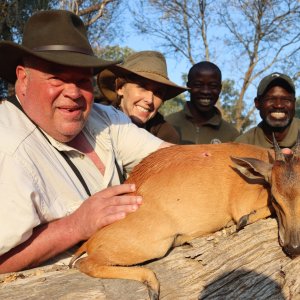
{"x": 216, "y": 128}
{"x": 37, "y": 184}
{"x": 256, "y": 136}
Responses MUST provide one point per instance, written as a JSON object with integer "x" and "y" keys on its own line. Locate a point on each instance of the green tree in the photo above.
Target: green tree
{"x": 113, "y": 52}
{"x": 14, "y": 14}
{"x": 98, "y": 16}
{"x": 101, "y": 17}
{"x": 228, "y": 101}
{"x": 173, "y": 105}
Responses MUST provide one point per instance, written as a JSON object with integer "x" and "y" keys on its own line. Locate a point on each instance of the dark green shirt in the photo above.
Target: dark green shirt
{"x": 256, "y": 136}
{"x": 191, "y": 133}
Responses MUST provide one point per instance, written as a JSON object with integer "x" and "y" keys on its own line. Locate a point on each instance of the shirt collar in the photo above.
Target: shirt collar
{"x": 214, "y": 121}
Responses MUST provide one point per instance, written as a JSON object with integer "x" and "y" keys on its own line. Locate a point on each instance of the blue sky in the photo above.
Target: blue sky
{"x": 175, "y": 68}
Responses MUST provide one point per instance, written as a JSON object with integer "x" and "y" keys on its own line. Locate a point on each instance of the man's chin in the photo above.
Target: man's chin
{"x": 278, "y": 125}
{"x": 204, "y": 108}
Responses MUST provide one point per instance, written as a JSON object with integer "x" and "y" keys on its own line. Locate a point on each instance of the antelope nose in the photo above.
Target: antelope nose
{"x": 292, "y": 251}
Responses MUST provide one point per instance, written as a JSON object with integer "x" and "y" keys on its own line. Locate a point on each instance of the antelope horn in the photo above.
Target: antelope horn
{"x": 278, "y": 154}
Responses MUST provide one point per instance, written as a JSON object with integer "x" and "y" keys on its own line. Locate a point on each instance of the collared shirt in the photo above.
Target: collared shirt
{"x": 256, "y": 136}
{"x": 216, "y": 128}
{"x": 37, "y": 184}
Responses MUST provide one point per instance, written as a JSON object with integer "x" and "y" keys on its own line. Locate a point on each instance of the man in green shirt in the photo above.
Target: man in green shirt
{"x": 276, "y": 104}
{"x": 200, "y": 122}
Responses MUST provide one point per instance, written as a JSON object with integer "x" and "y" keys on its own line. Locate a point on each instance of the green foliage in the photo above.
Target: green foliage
{"x": 173, "y": 105}
{"x": 228, "y": 100}
{"x": 113, "y": 52}
{"x": 14, "y": 14}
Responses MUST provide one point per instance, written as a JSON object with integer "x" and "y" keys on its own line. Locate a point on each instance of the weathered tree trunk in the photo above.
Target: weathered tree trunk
{"x": 248, "y": 264}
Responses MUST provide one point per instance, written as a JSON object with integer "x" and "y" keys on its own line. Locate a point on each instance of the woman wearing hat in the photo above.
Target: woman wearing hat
{"x": 138, "y": 87}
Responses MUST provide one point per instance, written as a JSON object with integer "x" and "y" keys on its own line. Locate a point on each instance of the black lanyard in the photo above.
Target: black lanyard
{"x": 15, "y": 101}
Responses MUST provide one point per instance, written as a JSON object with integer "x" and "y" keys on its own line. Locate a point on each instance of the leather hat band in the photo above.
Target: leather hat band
{"x": 63, "y": 48}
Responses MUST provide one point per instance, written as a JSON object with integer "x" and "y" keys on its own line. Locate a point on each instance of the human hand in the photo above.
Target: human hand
{"x": 103, "y": 208}
{"x": 287, "y": 151}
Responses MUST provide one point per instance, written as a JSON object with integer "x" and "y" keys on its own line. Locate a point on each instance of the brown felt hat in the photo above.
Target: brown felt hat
{"x": 146, "y": 64}
{"x": 57, "y": 36}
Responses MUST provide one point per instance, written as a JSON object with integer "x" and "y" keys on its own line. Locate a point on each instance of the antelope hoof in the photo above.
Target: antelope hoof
{"x": 153, "y": 295}
{"x": 243, "y": 221}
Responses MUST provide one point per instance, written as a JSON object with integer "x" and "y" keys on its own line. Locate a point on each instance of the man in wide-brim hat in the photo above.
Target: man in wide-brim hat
{"x": 59, "y": 152}
{"x": 138, "y": 87}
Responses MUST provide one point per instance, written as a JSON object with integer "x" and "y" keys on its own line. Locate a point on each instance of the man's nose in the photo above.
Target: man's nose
{"x": 205, "y": 89}
{"x": 72, "y": 91}
{"x": 277, "y": 102}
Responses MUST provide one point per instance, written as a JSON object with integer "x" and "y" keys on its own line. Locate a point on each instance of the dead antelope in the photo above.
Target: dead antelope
{"x": 190, "y": 191}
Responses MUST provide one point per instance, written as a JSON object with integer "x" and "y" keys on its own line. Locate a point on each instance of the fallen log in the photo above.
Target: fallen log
{"x": 248, "y": 264}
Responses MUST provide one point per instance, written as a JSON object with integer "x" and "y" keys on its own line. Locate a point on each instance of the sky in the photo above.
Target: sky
{"x": 139, "y": 42}
{"x": 175, "y": 68}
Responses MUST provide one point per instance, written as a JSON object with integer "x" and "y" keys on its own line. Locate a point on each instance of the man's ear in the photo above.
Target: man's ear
{"x": 256, "y": 102}
{"x": 22, "y": 79}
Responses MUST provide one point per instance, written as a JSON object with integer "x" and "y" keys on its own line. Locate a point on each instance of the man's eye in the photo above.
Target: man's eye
{"x": 283, "y": 100}
{"x": 85, "y": 82}
{"x": 197, "y": 86}
{"x": 56, "y": 81}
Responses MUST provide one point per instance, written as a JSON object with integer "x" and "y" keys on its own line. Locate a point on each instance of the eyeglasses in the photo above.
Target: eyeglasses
{"x": 283, "y": 100}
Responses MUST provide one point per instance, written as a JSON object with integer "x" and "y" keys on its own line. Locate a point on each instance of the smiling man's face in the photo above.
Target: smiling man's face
{"x": 276, "y": 107}
{"x": 57, "y": 98}
{"x": 205, "y": 88}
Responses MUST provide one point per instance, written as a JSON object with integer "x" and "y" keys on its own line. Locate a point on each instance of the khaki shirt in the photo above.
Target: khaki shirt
{"x": 37, "y": 185}
{"x": 190, "y": 133}
{"x": 256, "y": 136}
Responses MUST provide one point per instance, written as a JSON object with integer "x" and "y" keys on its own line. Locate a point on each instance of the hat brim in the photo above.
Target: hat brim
{"x": 11, "y": 55}
{"x": 106, "y": 82}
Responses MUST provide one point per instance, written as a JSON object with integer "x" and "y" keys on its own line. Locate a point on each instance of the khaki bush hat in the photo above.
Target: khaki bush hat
{"x": 57, "y": 36}
{"x": 266, "y": 82}
{"x": 146, "y": 64}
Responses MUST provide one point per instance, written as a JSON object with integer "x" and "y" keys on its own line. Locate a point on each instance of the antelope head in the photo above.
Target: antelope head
{"x": 283, "y": 176}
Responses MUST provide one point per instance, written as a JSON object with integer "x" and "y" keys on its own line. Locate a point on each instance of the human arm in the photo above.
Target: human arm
{"x": 48, "y": 240}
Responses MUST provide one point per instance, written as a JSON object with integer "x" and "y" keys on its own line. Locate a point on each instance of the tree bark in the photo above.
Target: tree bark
{"x": 248, "y": 264}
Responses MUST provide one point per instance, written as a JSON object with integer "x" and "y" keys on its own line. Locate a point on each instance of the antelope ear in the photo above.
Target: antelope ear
{"x": 253, "y": 168}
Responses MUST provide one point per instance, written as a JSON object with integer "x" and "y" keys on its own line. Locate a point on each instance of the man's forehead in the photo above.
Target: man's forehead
{"x": 211, "y": 73}
{"x": 278, "y": 88}
{"x": 60, "y": 69}
{"x": 54, "y": 68}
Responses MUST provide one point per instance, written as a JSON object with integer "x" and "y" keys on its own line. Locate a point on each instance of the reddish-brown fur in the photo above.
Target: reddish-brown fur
{"x": 188, "y": 191}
